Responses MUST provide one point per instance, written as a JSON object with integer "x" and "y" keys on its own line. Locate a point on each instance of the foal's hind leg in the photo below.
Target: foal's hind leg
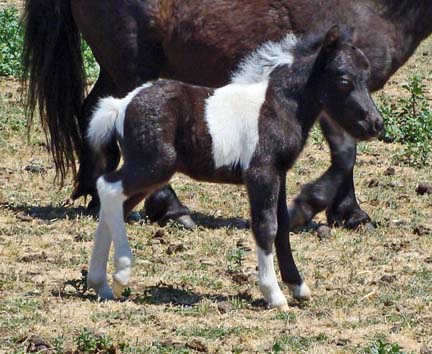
{"x": 263, "y": 189}
{"x": 92, "y": 166}
{"x": 290, "y": 274}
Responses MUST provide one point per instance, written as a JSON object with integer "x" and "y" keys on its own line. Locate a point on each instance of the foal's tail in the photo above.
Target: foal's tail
{"x": 106, "y": 122}
{"x": 108, "y": 119}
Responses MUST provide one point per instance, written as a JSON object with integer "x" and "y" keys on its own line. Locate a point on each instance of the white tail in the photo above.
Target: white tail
{"x": 108, "y": 118}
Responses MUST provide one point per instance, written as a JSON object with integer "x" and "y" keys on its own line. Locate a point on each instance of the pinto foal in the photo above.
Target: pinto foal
{"x": 243, "y": 133}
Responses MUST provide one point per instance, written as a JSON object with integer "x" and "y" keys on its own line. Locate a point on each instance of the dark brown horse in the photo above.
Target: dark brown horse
{"x": 246, "y": 132}
{"x": 199, "y": 42}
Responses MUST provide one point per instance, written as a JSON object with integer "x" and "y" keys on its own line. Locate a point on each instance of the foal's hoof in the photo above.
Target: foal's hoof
{"x": 118, "y": 289}
{"x": 282, "y": 308}
{"x": 300, "y": 292}
{"x": 186, "y": 221}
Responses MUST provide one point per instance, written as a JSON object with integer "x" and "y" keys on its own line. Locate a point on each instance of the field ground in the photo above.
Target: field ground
{"x": 370, "y": 287}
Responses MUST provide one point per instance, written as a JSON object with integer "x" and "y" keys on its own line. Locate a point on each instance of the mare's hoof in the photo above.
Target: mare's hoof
{"x": 300, "y": 292}
{"x": 186, "y": 221}
{"x": 296, "y": 217}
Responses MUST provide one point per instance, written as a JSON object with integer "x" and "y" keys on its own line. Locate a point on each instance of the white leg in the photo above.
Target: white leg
{"x": 97, "y": 277}
{"x": 268, "y": 283}
{"x": 112, "y": 198}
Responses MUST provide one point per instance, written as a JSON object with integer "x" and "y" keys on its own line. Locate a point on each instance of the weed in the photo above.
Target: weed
{"x": 409, "y": 122}
{"x": 11, "y": 42}
{"x": 89, "y": 343}
{"x": 11, "y": 45}
{"x": 236, "y": 258}
{"x": 383, "y": 347}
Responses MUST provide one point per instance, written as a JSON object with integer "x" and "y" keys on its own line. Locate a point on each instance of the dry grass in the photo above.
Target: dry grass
{"x": 367, "y": 285}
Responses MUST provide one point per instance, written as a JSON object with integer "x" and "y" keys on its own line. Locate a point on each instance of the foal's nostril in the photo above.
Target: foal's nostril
{"x": 379, "y": 125}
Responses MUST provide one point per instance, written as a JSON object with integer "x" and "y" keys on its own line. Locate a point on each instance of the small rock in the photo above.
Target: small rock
{"x": 388, "y": 278}
{"x": 425, "y": 350}
{"x": 424, "y": 188}
{"x": 38, "y": 344}
{"x": 342, "y": 342}
{"x": 397, "y": 222}
{"x": 24, "y": 217}
{"x": 324, "y": 232}
{"x": 240, "y": 278}
{"x": 33, "y": 168}
{"x": 396, "y": 184}
{"x": 159, "y": 234}
{"x": 224, "y": 307}
{"x": 373, "y": 183}
{"x": 197, "y": 345}
{"x": 395, "y": 329}
{"x": 208, "y": 262}
{"x": 428, "y": 260}
{"x": 175, "y": 248}
{"x": 389, "y": 171}
{"x": 422, "y": 230}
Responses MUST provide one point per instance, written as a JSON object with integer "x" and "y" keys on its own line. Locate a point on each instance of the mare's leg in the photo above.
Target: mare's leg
{"x": 290, "y": 274}
{"x": 263, "y": 190}
{"x": 334, "y": 190}
{"x": 92, "y": 166}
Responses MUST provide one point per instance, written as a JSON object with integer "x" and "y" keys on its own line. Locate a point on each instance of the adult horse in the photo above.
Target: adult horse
{"x": 199, "y": 42}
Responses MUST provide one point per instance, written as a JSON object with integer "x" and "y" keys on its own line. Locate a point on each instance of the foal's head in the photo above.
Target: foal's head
{"x": 342, "y": 72}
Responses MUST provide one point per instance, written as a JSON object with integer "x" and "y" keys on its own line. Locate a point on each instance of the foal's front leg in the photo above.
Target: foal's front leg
{"x": 263, "y": 189}
{"x": 289, "y": 272}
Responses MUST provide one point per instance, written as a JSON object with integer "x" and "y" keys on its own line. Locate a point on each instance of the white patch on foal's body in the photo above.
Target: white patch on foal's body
{"x": 232, "y": 114}
{"x": 257, "y": 66}
{"x": 108, "y": 116}
{"x": 267, "y": 280}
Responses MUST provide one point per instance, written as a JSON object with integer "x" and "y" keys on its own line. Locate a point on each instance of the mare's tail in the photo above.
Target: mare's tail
{"x": 54, "y": 78}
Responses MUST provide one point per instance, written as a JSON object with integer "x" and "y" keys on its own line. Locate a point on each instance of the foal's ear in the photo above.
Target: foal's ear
{"x": 332, "y": 37}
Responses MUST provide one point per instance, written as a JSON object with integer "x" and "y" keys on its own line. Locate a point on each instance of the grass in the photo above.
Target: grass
{"x": 371, "y": 288}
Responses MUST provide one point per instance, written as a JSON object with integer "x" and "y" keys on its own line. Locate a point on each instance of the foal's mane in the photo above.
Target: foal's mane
{"x": 257, "y": 66}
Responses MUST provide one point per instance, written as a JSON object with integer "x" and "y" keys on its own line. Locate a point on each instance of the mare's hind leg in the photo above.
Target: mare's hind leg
{"x": 289, "y": 272}
{"x": 92, "y": 166}
{"x": 334, "y": 190}
{"x": 263, "y": 190}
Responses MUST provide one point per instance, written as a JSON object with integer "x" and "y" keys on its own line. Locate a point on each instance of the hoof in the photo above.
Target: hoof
{"x": 186, "y": 221}
{"x": 300, "y": 292}
{"x": 118, "y": 289}
{"x": 296, "y": 217}
{"x": 282, "y": 308}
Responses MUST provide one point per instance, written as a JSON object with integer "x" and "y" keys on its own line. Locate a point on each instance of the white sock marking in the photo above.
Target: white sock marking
{"x": 97, "y": 278}
{"x": 112, "y": 198}
{"x": 232, "y": 114}
{"x": 267, "y": 280}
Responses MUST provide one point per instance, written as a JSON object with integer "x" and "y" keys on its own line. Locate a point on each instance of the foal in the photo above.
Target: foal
{"x": 243, "y": 133}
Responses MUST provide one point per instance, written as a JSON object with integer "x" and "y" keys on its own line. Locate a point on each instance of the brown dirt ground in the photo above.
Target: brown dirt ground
{"x": 367, "y": 285}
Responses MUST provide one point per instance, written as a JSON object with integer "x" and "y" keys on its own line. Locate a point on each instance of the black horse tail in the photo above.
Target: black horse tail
{"x": 54, "y": 78}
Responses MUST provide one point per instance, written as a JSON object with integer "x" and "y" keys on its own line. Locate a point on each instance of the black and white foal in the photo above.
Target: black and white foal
{"x": 243, "y": 133}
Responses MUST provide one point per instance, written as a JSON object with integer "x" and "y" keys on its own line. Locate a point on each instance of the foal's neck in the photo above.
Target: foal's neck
{"x": 296, "y": 91}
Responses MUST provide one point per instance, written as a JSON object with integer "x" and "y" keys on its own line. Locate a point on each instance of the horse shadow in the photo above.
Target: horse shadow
{"x": 211, "y": 222}
{"x": 166, "y": 294}
{"x": 50, "y": 213}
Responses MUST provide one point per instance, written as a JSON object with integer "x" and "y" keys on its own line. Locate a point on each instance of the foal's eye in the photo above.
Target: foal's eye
{"x": 345, "y": 84}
